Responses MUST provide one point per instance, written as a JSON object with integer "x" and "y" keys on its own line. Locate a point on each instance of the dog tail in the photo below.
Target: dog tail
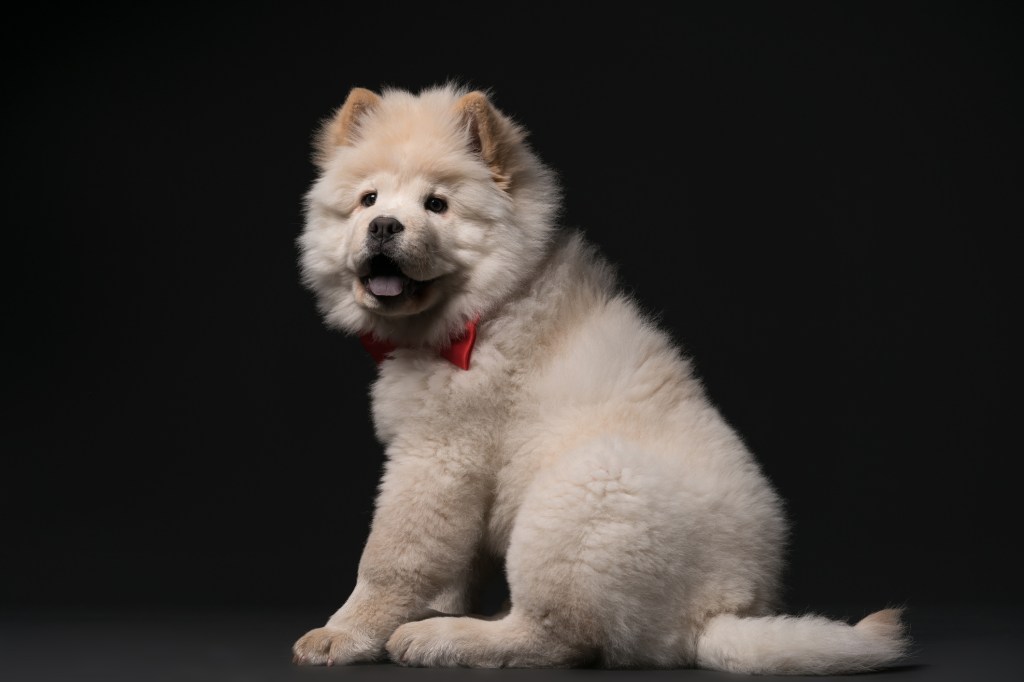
{"x": 802, "y": 645}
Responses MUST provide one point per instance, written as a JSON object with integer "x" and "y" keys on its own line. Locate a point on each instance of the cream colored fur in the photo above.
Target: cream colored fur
{"x": 636, "y": 528}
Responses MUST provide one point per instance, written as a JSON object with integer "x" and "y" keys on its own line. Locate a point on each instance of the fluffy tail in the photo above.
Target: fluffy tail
{"x": 801, "y": 645}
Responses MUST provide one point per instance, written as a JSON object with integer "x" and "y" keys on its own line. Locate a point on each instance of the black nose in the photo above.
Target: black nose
{"x": 384, "y": 228}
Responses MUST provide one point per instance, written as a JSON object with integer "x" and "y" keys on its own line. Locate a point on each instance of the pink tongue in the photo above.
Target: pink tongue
{"x": 386, "y": 286}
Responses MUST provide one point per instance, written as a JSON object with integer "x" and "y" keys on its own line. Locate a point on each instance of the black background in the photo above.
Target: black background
{"x": 821, "y": 201}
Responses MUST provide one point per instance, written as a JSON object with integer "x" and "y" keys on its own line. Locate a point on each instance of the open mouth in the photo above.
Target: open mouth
{"x": 387, "y": 281}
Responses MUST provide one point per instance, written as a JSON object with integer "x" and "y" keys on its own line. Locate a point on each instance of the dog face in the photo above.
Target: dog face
{"x": 426, "y": 212}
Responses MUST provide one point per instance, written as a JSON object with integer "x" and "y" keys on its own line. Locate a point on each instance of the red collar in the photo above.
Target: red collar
{"x": 457, "y": 353}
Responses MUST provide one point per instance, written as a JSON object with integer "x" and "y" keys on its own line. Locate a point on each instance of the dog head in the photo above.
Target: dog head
{"x": 429, "y": 210}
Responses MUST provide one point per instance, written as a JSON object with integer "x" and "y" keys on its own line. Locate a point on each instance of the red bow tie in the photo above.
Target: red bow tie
{"x": 457, "y": 352}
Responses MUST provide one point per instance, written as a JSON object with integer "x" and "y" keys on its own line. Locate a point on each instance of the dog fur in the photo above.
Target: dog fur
{"x": 636, "y": 528}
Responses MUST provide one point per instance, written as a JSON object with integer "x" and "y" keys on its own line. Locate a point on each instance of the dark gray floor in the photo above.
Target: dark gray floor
{"x": 960, "y": 644}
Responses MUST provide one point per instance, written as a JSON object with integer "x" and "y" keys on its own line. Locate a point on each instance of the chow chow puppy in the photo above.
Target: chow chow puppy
{"x": 531, "y": 412}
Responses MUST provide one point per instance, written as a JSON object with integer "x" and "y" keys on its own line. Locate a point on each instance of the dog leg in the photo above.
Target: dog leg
{"x": 425, "y": 533}
{"x": 597, "y": 574}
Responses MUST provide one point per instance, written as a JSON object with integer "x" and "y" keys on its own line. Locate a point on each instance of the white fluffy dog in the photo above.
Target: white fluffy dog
{"x": 531, "y": 413}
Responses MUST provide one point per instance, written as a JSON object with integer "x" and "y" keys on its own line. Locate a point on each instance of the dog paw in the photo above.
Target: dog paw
{"x": 335, "y": 646}
{"x": 424, "y": 643}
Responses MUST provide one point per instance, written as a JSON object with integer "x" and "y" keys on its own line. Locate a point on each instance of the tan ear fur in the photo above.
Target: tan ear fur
{"x": 340, "y": 130}
{"x": 488, "y": 133}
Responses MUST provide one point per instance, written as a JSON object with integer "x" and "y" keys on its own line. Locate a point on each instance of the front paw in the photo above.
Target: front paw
{"x": 335, "y": 646}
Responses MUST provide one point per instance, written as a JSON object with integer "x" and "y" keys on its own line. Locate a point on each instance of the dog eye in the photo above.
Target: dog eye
{"x": 435, "y": 204}
{"x": 369, "y": 199}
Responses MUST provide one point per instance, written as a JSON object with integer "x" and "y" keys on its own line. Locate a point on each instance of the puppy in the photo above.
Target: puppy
{"x": 530, "y": 412}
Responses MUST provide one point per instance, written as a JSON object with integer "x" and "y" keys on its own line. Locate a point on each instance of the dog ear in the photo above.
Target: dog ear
{"x": 491, "y": 135}
{"x": 340, "y": 130}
